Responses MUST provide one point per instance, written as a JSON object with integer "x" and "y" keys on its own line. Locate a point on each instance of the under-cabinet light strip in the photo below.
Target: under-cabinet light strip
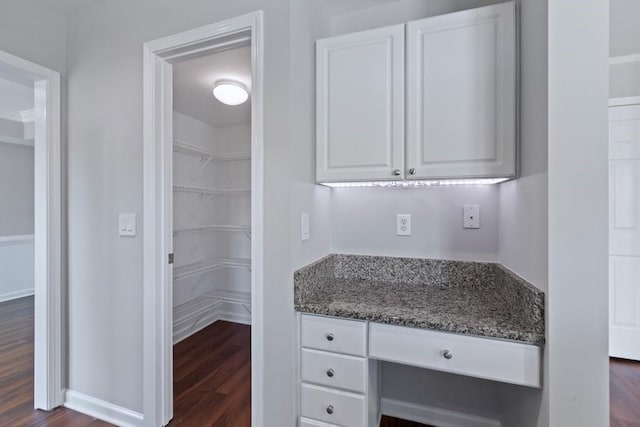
{"x": 412, "y": 184}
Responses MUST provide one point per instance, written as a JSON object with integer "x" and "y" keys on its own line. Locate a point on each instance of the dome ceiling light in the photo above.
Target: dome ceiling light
{"x": 230, "y": 92}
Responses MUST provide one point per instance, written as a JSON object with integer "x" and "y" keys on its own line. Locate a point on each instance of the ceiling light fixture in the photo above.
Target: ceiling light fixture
{"x": 230, "y": 92}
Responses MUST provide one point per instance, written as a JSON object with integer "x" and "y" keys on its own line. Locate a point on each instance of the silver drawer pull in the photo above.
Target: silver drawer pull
{"x": 330, "y": 409}
{"x": 329, "y": 337}
{"x": 330, "y": 373}
{"x": 447, "y": 355}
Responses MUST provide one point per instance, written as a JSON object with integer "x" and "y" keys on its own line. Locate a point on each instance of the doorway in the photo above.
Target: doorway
{"x": 203, "y": 204}
{"x": 31, "y": 229}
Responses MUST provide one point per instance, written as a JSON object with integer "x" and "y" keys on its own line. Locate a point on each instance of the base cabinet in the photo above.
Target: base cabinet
{"x": 340, "y": 365}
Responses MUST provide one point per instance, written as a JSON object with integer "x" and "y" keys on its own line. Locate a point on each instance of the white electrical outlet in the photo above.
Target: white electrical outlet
{"x": 304, "y": 226}
{"x": 403, "y": 225}
{"x": 471, "y": 216}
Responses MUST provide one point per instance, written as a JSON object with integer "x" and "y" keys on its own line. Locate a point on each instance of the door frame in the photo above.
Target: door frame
{"x": 47, "y": 231}
{"x": 158, "y": 192}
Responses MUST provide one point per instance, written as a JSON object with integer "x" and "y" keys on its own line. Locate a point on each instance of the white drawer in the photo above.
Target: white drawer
{"x": 336, "y": 335}
{"x": 307, "y": 422}
{"x": 332, "y": 406}
{"x": 334, "y": 370}
{"x": 492, "y": 359}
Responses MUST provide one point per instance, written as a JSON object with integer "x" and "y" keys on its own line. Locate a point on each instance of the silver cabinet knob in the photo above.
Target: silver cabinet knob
{"x": 329, "y": 337}
{"x": 330, "y": 409}
{"x": 330, "y": 373}
{"x": 447, "y": 354}
{"x": 396, "y": 172}
{"x": 412, "y": 171}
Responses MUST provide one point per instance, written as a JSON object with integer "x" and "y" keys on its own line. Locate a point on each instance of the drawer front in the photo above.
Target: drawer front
{"x": 336, "y": 335}
{"x": 466, "y": 355}
{"x": 307, "y": 422}
{"x": 332, "y": 406}
{"x": 334, "y": 370}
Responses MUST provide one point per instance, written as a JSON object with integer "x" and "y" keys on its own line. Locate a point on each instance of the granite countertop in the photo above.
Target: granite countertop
{"x": 482, "y": 299}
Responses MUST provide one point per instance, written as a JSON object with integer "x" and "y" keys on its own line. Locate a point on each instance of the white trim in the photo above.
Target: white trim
{"x": 47, "y": 245}
{"x": 434, "y": 416}
{"x": 627, "y": 100}
{"x": 16, "y": 240}
{"x": 15, "y": 295}
{"x": 158, "y": 235}
{"x": 102, "y": 410}
{"x": 624, "y": 59}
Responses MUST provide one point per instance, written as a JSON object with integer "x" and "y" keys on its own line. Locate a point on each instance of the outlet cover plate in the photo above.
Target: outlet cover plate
{"x": 403, "y": 225}
{"x": 471, "y": 216}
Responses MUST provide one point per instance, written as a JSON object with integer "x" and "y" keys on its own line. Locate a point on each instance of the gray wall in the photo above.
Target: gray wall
{"x": 16, "y": 189}
{"x": 105, "y": 178}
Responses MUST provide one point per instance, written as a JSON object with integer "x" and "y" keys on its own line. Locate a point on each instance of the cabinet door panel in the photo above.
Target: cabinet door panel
{"x": 461, "y": 81}
{"x": 360, "y": 112}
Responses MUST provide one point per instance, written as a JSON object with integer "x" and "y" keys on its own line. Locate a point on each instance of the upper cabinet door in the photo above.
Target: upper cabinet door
{"x": 360, "y": 106}
{"x": 461, "y": 94}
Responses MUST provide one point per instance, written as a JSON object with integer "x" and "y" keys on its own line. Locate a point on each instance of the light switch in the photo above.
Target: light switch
{"x": 471, "y": 216}
{"x": 127, "y": 225}
{"x": 304, "y": 226}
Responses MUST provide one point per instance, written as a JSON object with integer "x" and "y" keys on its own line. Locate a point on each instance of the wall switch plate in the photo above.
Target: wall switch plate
{"x": 471, "y": 216}
{"x": 127, "y": 225}
{"x": 403, "y": 225}
{"x": 304, "y": 226}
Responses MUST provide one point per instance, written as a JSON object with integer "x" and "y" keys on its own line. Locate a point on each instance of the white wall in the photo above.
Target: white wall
{"x": 309, "y": 22}
{"x": 105, "y": 178}
{"x": 16, "y": 189}
{"x": 364, "y": 222}
{"x": 578, "y": 245}
{"x": 16, "y": 267}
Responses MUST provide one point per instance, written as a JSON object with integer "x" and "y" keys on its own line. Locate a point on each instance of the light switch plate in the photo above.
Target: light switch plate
{"x": 471, "y": 216}
{"x": 127, "y": 225}
{"x": 403, "y": 225}
{"x": 304, "y": 226}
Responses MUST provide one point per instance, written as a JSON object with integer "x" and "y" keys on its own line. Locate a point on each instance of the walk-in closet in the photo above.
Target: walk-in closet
{"x": 212, "y": 191}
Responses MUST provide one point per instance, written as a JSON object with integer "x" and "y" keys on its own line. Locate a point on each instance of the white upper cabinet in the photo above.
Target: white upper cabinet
{"x": 461, "y": 94}
{"x": 360, "y": 106}
{"x": 460, "y": 99}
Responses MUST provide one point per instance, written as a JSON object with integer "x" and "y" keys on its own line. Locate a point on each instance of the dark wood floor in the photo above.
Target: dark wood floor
{"x": 16, "y": 373}
{"x": 624, "y": 383}
{"x": 212, "y": 379}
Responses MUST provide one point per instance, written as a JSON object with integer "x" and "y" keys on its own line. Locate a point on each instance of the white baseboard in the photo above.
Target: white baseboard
{"x": 15, "y": 295}
{"x": 434, "y": 416}
{"x": 243, "y": 318}
{"x": 102, "y": 410}
{"x": 191, "y": 324}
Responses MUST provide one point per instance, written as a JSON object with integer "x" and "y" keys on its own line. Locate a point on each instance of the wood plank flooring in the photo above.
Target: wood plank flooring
{"x": 212, "y": 379}
{"x": 16, "y": 373}
{"x": 624, "y": 382}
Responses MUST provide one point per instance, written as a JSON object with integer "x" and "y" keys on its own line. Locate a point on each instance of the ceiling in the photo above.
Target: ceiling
{"x": 339, "y": 7}
{"x": 193, "y": 82}
{"x": 66, "y": 7}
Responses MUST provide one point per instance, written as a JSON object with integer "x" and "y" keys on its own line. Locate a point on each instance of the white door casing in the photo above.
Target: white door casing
{"x": 624, "y": 231}
{"x": 47, "y": 230}
{"x": 158, "y": 191}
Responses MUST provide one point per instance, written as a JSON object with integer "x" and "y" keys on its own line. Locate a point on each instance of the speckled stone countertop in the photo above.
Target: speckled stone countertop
{"x": 474, "y": 298}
